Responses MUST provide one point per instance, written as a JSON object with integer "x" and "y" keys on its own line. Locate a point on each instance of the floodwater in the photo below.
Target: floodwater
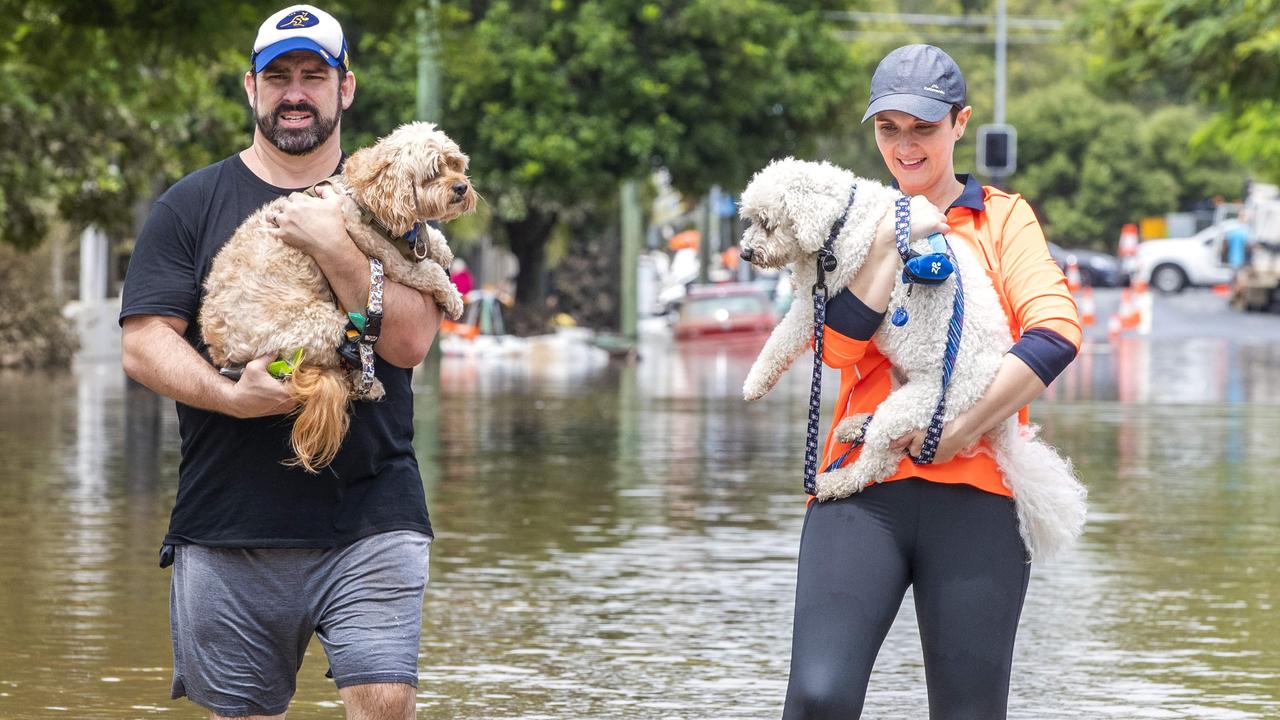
{"x": 620, "y": 542}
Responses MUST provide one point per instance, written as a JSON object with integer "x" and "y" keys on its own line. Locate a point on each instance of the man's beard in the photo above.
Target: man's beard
{"x": 297, "y": 141}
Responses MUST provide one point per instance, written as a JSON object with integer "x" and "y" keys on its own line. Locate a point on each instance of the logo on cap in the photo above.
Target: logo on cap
{"x": 935, "y": 89}
{"x": 297, "y": 19}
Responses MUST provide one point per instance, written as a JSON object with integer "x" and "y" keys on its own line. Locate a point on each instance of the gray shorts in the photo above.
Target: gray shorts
{"x": 241, "y": 618}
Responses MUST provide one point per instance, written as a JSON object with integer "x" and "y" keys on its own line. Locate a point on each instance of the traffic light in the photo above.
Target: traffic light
{"x": 997, "y": 150}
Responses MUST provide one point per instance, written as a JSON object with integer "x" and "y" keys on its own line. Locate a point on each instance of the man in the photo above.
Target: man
{"x": 264, "y": 554}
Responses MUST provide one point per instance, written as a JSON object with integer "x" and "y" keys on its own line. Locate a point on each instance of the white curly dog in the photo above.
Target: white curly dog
{"x": 791, "y": 206}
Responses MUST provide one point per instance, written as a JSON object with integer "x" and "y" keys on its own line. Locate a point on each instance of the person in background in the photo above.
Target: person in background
{"x": 461, "y": 276}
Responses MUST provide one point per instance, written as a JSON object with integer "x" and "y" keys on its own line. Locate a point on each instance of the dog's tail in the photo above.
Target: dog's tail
{"x": 322, "y": 421}
{"x": 1049, "y": 499}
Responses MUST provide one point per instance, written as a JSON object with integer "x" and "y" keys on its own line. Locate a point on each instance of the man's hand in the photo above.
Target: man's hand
{"x": 314, "y": 225}
{"x": 258, "y": 394}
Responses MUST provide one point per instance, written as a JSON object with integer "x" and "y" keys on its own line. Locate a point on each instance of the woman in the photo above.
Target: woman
{"x": 947, "y": 529}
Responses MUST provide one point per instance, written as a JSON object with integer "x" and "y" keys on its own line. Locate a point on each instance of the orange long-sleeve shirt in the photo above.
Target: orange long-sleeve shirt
{"x": 1002, "y": 231}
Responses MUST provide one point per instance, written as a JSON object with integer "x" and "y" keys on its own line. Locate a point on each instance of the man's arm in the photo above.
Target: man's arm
{"x": 156, "y": 355}
{"x": 409, "y": 319}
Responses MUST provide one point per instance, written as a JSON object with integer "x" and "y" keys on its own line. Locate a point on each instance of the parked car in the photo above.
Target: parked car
{"x": 727, "y": 312}
{"x": 1097, "y": 269}
{"x": 1171, "y": 264}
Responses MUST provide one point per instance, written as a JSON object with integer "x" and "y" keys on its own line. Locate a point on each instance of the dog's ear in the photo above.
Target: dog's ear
{"x": 810, "y": 211}
{"x": 384, "y": 185}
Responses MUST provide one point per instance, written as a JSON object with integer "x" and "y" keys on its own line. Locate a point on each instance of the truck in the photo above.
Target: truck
{"x": 1256, "y": 285}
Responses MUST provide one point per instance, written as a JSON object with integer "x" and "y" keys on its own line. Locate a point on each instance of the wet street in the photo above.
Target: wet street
{"x": 620, "y": 542}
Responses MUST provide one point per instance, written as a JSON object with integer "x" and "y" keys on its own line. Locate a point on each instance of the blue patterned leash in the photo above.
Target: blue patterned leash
{"x": 927, "y": 269}
{"x": 826, "y": 263}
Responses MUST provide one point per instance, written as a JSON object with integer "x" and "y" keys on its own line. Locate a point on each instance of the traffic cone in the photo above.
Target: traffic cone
{"x": 1087, "y": 309}
{"x": 1114, "y": 327}
{"x": 1128, "y": 313}
{"x": 1128, "y": 240}
{"x": 1073, "y": 274}
{"x": 1143, "y": 306}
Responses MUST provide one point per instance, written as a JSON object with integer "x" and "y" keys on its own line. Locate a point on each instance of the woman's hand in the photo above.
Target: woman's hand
{"x": 955, "y": 438}
{"x": 926, "y": 219}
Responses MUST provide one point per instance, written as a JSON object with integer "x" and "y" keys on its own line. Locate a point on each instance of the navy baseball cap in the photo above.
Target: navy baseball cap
{"x": 919, "y": 80}
{"x": 300, "y": 27}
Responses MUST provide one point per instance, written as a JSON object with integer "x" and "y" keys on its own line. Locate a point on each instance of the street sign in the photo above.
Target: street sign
{"x": 997, "y": 150}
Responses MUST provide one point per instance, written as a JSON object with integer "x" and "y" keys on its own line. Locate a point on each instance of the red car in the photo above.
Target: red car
{"x": 725, "y": 312}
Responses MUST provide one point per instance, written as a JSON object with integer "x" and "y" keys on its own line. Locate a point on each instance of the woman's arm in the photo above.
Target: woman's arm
{"x": 855, "y": 314}
{"x": 1036, "y": 292}
{"x": 1015, "y": 386}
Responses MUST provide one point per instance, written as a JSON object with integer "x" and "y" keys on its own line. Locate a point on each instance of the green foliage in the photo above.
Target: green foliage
{"x": 1089, "y": 165}
{"x": 94, "y": 115}
{"x": 33, "y": 331}
{"x": 559, "y": 102}
{"x": 1226, "y": 54}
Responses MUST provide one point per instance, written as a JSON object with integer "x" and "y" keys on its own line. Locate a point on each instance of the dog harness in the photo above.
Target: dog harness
{"x": 419, "y": 248}
{"x": 363, "y": 329}
{"x": 929, "y": 267}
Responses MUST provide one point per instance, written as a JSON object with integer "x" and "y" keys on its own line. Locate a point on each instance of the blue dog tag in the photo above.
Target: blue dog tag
{"x": 899, "y": 317}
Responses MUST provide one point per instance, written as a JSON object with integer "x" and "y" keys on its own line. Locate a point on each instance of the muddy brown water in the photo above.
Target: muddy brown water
{"x": 620, "y": 542}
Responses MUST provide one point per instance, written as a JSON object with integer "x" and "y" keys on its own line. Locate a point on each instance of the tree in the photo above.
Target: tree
{"x": 95, "y": 109}
{"x": 105, "y": 102}
{"x": 558, "y": 103}
{"x": 1091, "y": 165}
{"x": 1224, "y": 54}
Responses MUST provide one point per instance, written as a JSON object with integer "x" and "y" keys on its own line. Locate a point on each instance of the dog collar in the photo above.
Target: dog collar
{"x": 826, "y": 258}
{"x": 368, "y": 218}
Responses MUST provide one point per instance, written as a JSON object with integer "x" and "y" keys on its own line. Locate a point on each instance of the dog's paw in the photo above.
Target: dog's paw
{"x": 450, "y": 302}
{"x": 849, "y": 428}
{"x": 756, "y": 386}
{"x": 834, "y": 485}
{"x": 438, "y": 250}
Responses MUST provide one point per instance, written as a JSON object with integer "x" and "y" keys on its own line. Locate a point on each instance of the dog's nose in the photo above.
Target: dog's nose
{"x": 459, "y": 189}
{"x": 747, "y": 253}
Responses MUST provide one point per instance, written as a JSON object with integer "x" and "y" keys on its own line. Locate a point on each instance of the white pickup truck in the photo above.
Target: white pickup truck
{"x": 1171, "y": 264}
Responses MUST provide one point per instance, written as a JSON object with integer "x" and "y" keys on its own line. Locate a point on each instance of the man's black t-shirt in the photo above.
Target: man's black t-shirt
{"x": 233, "y": 488}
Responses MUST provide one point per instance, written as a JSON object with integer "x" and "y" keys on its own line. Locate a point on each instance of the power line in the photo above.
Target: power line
{"x": 948, "y": 38}
{"x": 1023, "y": 22}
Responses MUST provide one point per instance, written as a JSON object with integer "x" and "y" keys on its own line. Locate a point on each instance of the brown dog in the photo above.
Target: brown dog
{"x": 264, "y": 297}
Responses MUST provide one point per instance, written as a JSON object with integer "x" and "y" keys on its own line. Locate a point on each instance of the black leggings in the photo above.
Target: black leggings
{"x": 958, "y": 547}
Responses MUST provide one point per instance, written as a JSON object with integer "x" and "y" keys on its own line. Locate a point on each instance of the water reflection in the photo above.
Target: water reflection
{"x": 1182, "y": 370}
{"x": 620, "y": 542}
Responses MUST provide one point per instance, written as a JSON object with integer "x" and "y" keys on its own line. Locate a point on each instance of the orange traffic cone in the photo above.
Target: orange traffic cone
{"x": 1087, "y": 309}
{"x": 1073, "y": 274}
{"x": 1128, "y": 312}
{"x": 1128, "y": 240}
{"x": 1142, "y": 307}
{"x": 1114, "y": 327}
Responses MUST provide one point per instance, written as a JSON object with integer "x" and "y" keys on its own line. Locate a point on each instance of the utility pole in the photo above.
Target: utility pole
{"x": 428, "y": 100}
{"x": 1002, "y": 58}
{"x": 631, "y": 238}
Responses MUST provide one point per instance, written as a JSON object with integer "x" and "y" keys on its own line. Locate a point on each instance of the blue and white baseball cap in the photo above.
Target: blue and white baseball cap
{"x": 300, "y": 27}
